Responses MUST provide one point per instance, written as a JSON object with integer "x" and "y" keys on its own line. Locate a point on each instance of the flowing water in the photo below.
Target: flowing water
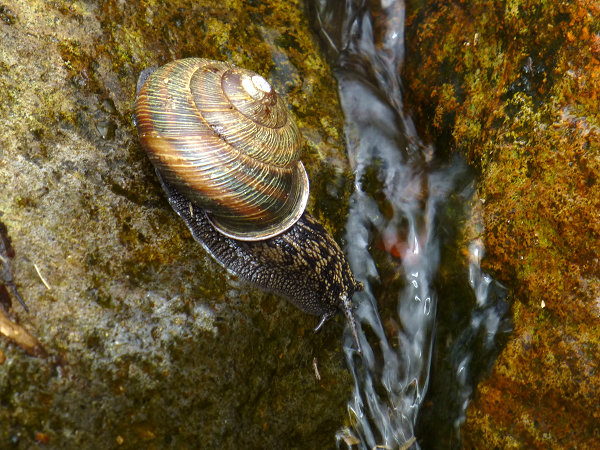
{"x": 430, "y": 319}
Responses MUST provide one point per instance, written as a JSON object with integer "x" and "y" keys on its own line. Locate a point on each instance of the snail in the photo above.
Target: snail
{"x": 226, "y": 151}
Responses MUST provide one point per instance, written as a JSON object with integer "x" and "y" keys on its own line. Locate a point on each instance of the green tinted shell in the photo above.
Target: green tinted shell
{"x": 225, "y": 139}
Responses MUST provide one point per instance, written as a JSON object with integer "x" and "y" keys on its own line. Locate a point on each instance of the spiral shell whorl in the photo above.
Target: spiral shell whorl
{"x": 225, "y": 139}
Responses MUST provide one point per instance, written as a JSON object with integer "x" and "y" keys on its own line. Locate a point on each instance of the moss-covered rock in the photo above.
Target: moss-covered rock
{"x": 150, "y": 343}
{"x": 514, "y": 87}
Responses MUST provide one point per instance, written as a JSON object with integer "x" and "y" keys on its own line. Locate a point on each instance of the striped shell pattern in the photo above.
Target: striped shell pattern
{"x": 225, "y": 139}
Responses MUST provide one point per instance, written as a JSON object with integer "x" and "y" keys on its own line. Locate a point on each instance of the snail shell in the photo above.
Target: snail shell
{"x": 223, "y": 137}
{"x": 226, "y": 151}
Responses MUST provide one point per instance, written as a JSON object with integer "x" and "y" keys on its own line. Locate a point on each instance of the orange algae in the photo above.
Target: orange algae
{"x": 514, "y": 88}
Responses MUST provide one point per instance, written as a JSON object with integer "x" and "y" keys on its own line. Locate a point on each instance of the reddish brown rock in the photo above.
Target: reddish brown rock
{"x": 514, "y": 88}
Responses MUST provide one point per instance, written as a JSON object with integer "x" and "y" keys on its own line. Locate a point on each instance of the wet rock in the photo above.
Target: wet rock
{"x": 514, "y": 88}
{"x": 150, "y": 343}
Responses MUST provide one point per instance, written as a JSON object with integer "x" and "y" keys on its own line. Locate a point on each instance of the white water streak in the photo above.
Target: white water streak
{"x": 391, "y": 377}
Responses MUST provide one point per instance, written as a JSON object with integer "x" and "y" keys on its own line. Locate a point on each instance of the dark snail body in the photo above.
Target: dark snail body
{"x": 293, "y": 255}
{"x": 303, "y": 264}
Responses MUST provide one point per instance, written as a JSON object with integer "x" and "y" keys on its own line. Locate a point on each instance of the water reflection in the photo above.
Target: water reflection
{"x": 400, "y": 214}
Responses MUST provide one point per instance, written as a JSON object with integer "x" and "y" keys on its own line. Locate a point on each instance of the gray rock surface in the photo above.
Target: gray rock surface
{"x": 149, "y": 341}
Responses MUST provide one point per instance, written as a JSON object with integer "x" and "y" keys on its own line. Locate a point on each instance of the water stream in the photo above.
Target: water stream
{"x": 409, "y": 205}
